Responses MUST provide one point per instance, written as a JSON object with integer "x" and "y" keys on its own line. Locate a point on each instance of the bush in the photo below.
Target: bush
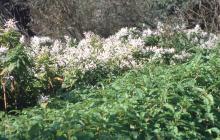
{"x": 151, "y": 84}
{"x": 156, "y": 102}
{"x": 54, "y": 65}
{"x": 16, "y": 70}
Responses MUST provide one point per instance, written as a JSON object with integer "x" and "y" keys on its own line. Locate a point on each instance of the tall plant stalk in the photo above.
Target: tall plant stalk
{"x": 4, "y": 93}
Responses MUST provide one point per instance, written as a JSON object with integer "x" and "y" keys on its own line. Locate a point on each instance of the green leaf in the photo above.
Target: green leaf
{"x": 170, "y": 107}
{"x": 214, "y": 130}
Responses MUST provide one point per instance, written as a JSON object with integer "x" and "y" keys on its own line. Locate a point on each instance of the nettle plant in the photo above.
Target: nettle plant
{"x": 15, "y": 68}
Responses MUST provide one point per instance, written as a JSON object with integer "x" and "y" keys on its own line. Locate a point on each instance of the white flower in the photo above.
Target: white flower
{"x": 42, "y": 68}
{"x": 147, "y": 33}
{"x": 3, "y": 50}
{"x": 158, "y": 50}
{"x": 122, "y": 33}
{"x": 67, "y": 38}
{"x": 22, "y": 39}
{"x": 90, "y": 66}
{"x": 88, "y": 35}
{"x": 94, "y": 50}
{"x": 69, "y": 41}
{"x": 56, "y": 47}
{"x": 169, "y": 51}
{"x": 182, "y": 56}
{"x": 43, "y": 99}
{"x": 160, "y": 27}
{"x": 10, "y": 24}
{"x": 38, "y": 41}
{"x": 136, "y": 42}
{"x": 197, "y": 28}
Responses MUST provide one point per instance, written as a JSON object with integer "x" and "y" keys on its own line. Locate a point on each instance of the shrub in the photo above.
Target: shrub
{"x": 16, "y": 69}
{"x": 128, "y": 48}
{"x": 54, "y": 65}
{"x": 165, "y": 85}
{"x": 155, "y": 102}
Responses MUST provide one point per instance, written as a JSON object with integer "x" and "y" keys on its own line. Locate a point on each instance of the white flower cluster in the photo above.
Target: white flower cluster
{"x": 3, "y": 50}
{"x": 117, "y": 50}
{"x": 148, "y": 32}
{"x": 203, "y": 39}
{"x": 43, "y": 99}
{"x": 210, "y": 42}
{"x": 10, "y": 25}
{"x": 122, "y": 33}
{"x": 159, "y": 50}
{"x": 89, "y": 53}
{"x": 183, "y": 55}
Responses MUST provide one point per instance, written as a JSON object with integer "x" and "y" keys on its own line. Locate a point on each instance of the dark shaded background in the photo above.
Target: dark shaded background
{"x": 56, "y": 18}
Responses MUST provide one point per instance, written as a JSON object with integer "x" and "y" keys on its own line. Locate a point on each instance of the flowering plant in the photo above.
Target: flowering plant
{"x": 49, "y": 64}
{"x": 128, "y": 48}
{"x": 15, "y": 68}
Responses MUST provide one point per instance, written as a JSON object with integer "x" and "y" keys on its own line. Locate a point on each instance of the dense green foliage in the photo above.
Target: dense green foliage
{"x": 16, "y": 72}
{"x": 156, "y": 102}
{"x": 165, "y": 85}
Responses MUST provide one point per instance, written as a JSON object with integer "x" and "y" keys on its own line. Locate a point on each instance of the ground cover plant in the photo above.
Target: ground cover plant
{"x": 156, "y": 102}
{"x": 137, "y": 84}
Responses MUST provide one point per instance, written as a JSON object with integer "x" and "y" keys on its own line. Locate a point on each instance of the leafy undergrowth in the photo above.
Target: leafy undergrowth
{"x": 158, "y": 101}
